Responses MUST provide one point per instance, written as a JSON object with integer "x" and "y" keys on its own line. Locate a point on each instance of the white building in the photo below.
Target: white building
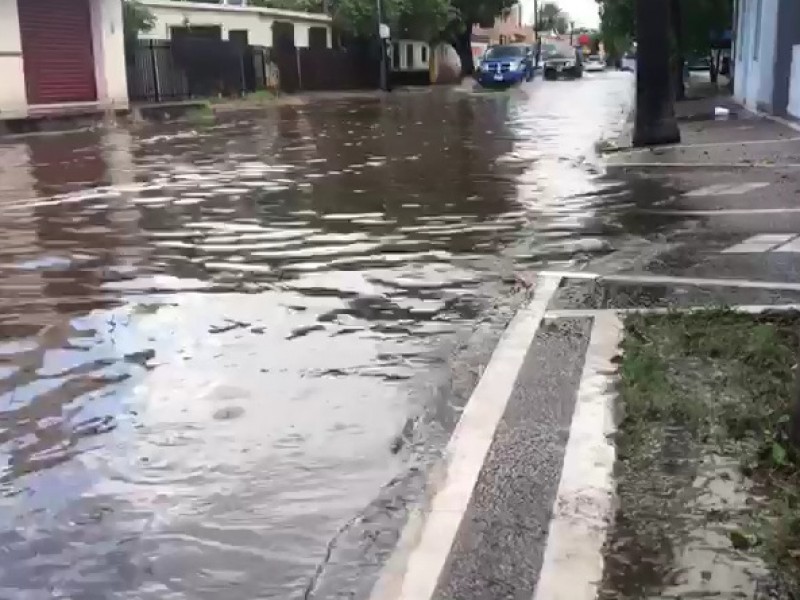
{"x": 409, "y": 56}
{"x": 767, "y": 55}
{"x": 61, "y": 55}
{"x": 251, "y": 24}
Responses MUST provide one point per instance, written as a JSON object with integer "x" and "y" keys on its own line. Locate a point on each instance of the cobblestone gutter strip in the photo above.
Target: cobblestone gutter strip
{"x": 708, "y": 487}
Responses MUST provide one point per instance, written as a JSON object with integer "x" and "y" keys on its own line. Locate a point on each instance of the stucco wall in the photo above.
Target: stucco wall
{"x": 794, "y": 84}
{"x": 787, "y": 37}
{"x": 256, "y": 21}
{"x": 753, "y": 84}
{"x": 109, "y": 52}
{"x": 13, "y": 99}
{"x": 420, "y": 55}
{"x": 739, "y": 46}
{"x": 766, "y": 55}
{"x": 108, "y": 49}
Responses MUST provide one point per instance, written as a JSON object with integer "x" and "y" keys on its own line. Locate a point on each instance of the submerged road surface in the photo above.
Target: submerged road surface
{"x": 230, "y": 351}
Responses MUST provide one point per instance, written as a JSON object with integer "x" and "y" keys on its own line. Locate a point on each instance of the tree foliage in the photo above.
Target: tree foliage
{"x": 421, "y": 19}
{"x": 481, "y": 12}
{"x": 552, "y": 18}
{"x": 617, "y": 25}
{"x": 299, "y": 5}
{"x": 136, "y": 19}
{"x": 700, "y": 19}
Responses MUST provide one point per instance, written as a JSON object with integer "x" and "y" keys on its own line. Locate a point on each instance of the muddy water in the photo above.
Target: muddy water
{"x": 229, "y": 350}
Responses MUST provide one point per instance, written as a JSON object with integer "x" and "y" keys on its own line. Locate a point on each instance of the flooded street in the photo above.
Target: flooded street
{"x": 230, "y": 350}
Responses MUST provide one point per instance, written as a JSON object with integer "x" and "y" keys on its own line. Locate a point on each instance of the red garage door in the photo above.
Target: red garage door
{"x": 57, "y": 50}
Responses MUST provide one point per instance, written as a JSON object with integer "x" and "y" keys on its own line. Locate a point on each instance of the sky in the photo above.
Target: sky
{"x": 583, "y": 12}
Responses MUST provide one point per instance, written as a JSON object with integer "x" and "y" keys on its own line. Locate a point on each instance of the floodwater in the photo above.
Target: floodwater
{"x": 229, "y": 350}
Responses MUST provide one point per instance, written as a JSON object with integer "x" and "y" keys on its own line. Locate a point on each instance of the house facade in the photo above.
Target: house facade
{"x": 767, "y": 55}
{"x": 58, "y": 56}
{"x": 250, "y": 24}
{"x": 508, "y": 28}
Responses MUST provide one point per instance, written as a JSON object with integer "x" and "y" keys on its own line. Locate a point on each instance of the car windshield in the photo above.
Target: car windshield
{"x": 496, "y": 52}
{"x": 551, "y": 51}
{"x": 594, "y": 58}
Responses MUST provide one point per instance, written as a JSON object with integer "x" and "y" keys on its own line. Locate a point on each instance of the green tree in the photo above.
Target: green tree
{"x": 552, "y": 18}
{"x": 418, "y": 19}
{"x": 617, "y": 25}
{"x": 424, "y": 19}
{"x": 694, "y": 23}
{"x": 470, "y": 13}
{"x": 136, "y": 19}
{"x": 299, "y": 5}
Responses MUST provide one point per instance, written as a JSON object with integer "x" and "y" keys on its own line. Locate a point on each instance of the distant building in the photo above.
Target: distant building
{"x": 233, "y": 19}
{"x": 409, "y": 56}
{"x": 507, "y": 29}
{"x": 61, "y": 56}
{"x": 766, "y": 54}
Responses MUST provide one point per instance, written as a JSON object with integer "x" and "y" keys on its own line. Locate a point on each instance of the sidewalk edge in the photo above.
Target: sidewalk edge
{"x": 573, "y": 563}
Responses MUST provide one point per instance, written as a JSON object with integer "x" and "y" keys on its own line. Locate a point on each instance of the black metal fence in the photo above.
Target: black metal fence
{"x": 314, "y": 69}
{"x": 193, "y": 67}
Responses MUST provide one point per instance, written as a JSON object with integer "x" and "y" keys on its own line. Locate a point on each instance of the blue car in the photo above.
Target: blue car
{"x": 506, "y": 65}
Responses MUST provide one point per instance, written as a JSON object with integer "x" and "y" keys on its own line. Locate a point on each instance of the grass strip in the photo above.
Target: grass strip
{"x": 697, "y": 389}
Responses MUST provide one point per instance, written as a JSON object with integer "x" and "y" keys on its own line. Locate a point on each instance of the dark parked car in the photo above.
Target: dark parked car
{"x": 505, "y": 65}
{"x": 559, "y": 63}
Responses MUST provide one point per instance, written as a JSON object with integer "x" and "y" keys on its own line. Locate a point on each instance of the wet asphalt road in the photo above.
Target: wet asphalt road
{"x": 230, "y": 350}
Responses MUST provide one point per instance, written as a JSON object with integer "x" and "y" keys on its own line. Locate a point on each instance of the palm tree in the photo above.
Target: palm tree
{"x": 655, "y": 109}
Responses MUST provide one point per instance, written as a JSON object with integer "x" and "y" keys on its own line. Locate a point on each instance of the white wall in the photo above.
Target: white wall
{"x": 794, "y": 84}
{"x": 754, "y": 72}
{"x": 766, "y": 55}
{"x": 108, "y": 45}
{"x": 739, "y": 51}
{"x": 421, "y": 55}
{"x": 259, "y": 31}
{"x": 301, "y": 35}
{"x": 256, "y": 21}
{"x": 13, "y": 98}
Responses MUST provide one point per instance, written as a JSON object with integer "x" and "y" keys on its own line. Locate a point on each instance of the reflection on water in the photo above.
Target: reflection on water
{"x": 228, "y": 352}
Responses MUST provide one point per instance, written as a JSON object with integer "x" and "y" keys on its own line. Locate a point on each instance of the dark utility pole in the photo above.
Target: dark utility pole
{"x": 677, "y": 34}
{"x": 655, "y": 106}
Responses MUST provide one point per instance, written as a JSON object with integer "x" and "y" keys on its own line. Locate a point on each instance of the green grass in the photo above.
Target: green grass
{"x": 726, "y": 380}
{"x": 201, "y": 115}
{"x": 261, "y": 96}
{"x": 257, "y": 97}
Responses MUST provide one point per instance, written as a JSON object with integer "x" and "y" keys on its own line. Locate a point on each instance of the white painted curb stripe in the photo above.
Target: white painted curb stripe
{"x": 413, "y": 571}
{"x": 726, "y": 189}
{"x": 758, "y": 244}
{"x": 662, "y": 149}
{"x": 572, "y": 568}
{"x": 701, "y": 165}
{"x": 581, "y": 313}
{"x": 711, "y": 212}
{"x": 669, "y": 279}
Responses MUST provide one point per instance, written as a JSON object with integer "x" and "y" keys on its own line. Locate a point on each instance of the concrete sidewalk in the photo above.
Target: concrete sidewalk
{"x": 724, "y": 203}
{"x": 524, "y": 498}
